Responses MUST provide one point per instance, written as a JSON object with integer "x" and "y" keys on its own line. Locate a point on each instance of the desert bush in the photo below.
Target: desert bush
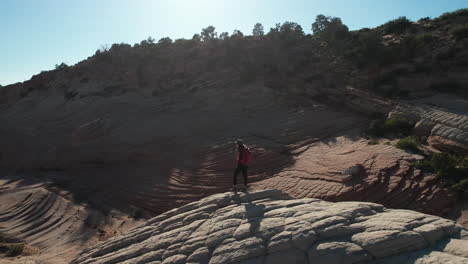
{"x": 15, "y": 249}
{"x": 69, "y": 94}
{"x": 426, "y": 37}
{"x": 287, "y": 34}
{"x": 451, "y": 15}
{"x": 61, "y": 66}
{"x": 381, "y": 127}
{"x": 103, "y": 54}
{"x": 366, "y": 48}
{"x": 331, "y": 29}
{"x": 408, "y": 143}
{"x": 462, "y": 185}
{"x": 120, "y": 47}
{"x": 164, "y": 42}
{"x": 424, "y": 20}
{"x": 424, "y": 165}
{"x": 451, "y": 168}
{"x": 373, "y": 142}
{"x": 460, "y": 31}
{"x": 410, "y": 46}
{"x": 397, "y": 26}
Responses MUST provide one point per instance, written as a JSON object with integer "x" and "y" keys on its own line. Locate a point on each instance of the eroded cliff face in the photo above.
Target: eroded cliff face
{"x": 271, "y": 227}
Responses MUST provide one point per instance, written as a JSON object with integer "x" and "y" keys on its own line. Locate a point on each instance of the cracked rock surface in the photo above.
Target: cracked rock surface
{"x": 270, "y": 227}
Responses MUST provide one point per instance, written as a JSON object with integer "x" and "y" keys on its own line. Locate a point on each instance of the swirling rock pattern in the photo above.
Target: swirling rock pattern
{"x": 160, "y": 152}
{"x": 443, "y": 119}
{"x": 386, "y": 176}
{"x": 445, "y": 130}
{"x": 55, "y": 225}
{"x": 270, "y": 227}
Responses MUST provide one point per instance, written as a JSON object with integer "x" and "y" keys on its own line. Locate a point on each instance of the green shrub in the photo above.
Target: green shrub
{"x": 15, "y": 249}
{"x": 69, "y": 94}
{"x": 377, "y": 128}
{"x": 424, "y": 20}
{"x": 399, "y": 125}
{"x": 381, "y": 127}
{"x": 426, "y": 37}
{"x": 452, "y": 169}
{"x": 424, "y": 165}
{"x": 408, "y": 143}
{"x": 399, "y": 25}
{"x": 411, "y": 45}
{"x": 373, "y": 142}
{"x": 460, "y": 32}
{"x": 461, "y": 185}
{"x": 443, "y": 161}
{"x": 61, "y": 66}
{"x": 450, "y": 15}
{"x": 367, "y": 48}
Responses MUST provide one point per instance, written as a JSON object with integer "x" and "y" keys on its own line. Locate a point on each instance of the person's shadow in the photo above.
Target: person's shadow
{"x": 254, "y": 214}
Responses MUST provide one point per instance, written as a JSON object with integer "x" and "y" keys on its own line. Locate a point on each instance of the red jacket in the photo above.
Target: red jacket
{"x": 244, "y": 156}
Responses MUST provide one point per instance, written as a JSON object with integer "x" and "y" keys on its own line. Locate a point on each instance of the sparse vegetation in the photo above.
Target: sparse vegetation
{"x": 394, "y": 126}
{"x": 69, "y": 94}
{"x": 451, "y": 168}
{"x": 10, "y": 246}
{"x": 61, "y": 66}
{"x": 397, "y": 26}
{"x": 409, "y": 143}
{"x": 452, "y": 15}
{"x": 15, "y": 249}
{"x": 373, "y": 142}
{"x": 460, "y": 31}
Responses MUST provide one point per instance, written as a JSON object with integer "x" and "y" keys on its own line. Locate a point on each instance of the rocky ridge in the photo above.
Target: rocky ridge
{"x": 271, "y": 227}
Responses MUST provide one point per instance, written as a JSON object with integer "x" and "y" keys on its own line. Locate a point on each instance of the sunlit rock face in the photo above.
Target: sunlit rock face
{"x": 270, "y": 227}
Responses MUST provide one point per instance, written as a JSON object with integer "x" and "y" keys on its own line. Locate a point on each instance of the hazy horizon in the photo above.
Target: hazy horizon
{"x": 41, "y": 34}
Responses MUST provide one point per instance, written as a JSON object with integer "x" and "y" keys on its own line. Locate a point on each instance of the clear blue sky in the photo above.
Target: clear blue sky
{"x": 37, "y": 34}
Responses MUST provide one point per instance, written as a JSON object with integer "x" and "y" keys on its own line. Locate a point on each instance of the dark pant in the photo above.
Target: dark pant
{"x": 240, "y": 168}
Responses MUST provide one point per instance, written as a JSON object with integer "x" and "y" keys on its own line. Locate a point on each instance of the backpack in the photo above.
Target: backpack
{"x": 247, "y": 157}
